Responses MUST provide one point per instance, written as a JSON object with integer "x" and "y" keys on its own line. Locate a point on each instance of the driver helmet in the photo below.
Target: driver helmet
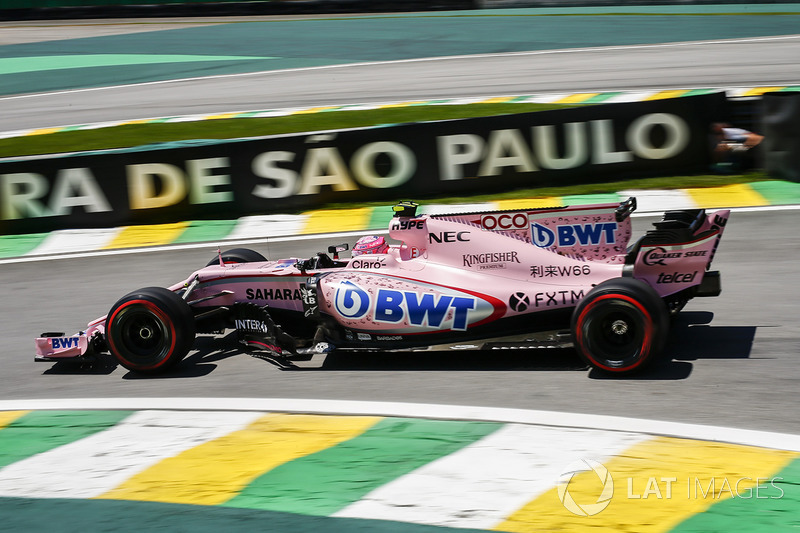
{"x": 371, "y": 244}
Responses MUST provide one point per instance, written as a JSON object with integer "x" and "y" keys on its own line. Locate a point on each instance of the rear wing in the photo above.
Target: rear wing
{"x": 676, "y": 254}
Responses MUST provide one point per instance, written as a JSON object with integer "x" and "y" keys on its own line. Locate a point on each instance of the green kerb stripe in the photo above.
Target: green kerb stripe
{"x": 206, "y": 230}
{"x": 380, "y": 217}
{"x": 40, "y": 431}
{"x": 17, "y": 245}
{"x": 773, "y": 507}
{"x": 588, "y": 199}
{"x": 778, "y": 192}
{"x": 327, "y": 481}
{"x": 602, "y": 98}
{"x": 61, "y": 514}
{"x": 697, "y": 92}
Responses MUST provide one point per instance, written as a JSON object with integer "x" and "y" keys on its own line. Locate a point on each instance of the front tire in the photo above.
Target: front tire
{"x": 621, "y": 326}
{"x": 150, "y": 330}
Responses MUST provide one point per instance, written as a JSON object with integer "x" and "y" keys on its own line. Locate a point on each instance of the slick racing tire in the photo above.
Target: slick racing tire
{"x": 150, "y": 330}
{"x": 620, "y": 326}
{"x": 238, "y": 255}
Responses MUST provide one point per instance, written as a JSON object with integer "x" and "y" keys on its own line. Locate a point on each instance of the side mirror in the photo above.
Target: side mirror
{"x": 337, "y": 249}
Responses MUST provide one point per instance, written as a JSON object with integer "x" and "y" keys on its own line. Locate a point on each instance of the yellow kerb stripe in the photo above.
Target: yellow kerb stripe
{"x": 137, "y": 121}
{"x": 666, "y": 94}
{"x": 497, "y": 100}
{"x": 531, "y": 203}
{"x": 740, "y": 195}
{"x": 222, "y": 116}
{"x": 216, "y": 471}
{"x": 6, "y": 417}
{"x": 44, "y": 131}
{"x": 153, "y": 235}
{"x": 401, "y": 104}
{"x": 325, "y": 221}
{"x": 313, "y": 110}
{"x": 758, "y": 91}
{"x": 576, "y": 98}
{"x": 657, "y": 484}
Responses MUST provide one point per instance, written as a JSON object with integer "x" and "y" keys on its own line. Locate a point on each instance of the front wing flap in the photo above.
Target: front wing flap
{"x": 55, "y": 346}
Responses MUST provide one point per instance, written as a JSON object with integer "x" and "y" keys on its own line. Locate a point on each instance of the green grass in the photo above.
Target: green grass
{"x": 142, "y": 134}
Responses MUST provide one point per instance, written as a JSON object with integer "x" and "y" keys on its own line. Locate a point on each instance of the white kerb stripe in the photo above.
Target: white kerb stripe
{"x": 98, "y": 463}
{"x": 552, "y": 98}
{"x": 267, "y": 226}
{"x": 634, "y": 96}
{"x": 76, "y": 240}
{"x": 658, "y": 201}
{"x": 482, "y": 484}
{"x": 433, "y": 209}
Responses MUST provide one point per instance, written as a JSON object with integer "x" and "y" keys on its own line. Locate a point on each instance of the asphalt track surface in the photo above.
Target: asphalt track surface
{"x": 770, "y": 61}
{"x": 732, "y": 360}
{"x": 293, "y": 64}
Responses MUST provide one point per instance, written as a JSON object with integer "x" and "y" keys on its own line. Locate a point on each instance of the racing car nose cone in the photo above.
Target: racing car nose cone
{"x": 620, "y": 327}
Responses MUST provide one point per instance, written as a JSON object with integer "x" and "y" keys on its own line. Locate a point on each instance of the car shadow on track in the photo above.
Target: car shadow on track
{"x": 200, "y": 361}
{"x": 485, "y": 360}
{"x": 692, "y": 338}
{"x": 211, "y": 349}
{"x": 104, "y": 365}
{"x": 183, "y": 370}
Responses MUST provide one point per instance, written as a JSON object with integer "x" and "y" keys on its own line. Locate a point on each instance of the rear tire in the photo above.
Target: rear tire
{"x": 620, "y": 326}
{"x": 238, "y": 255}
{"x": 150, "y": 330}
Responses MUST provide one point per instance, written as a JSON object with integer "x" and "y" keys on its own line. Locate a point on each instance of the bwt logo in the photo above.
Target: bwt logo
{"x": 392, "y": 306}
{"x": 351, "y": 301}
{"x": 65, "y": 342}
{"x": 573, "y": 234}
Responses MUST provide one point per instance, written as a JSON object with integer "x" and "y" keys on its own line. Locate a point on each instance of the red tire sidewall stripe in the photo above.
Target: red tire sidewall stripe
{"x": 156, "y": 311}
{"x": 648, "y": 333}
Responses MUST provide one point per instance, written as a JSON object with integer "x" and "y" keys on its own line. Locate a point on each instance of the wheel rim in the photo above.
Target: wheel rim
{"x": 140, "y": 335}
{"x": 615, "y": 333}
{"x": 618, "y": 332}
{"x": 143, "y": 334}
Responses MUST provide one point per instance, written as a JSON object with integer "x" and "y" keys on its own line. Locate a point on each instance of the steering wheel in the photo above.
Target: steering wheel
{"x": 316, "y": 262}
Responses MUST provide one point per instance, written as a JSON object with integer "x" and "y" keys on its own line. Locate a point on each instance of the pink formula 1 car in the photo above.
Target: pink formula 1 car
{"x": 489, "y": 280}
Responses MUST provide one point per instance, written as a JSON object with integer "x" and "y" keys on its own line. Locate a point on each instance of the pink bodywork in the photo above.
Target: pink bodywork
{"x": 68, "y": 347}
{"x": 454, "y": 272}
